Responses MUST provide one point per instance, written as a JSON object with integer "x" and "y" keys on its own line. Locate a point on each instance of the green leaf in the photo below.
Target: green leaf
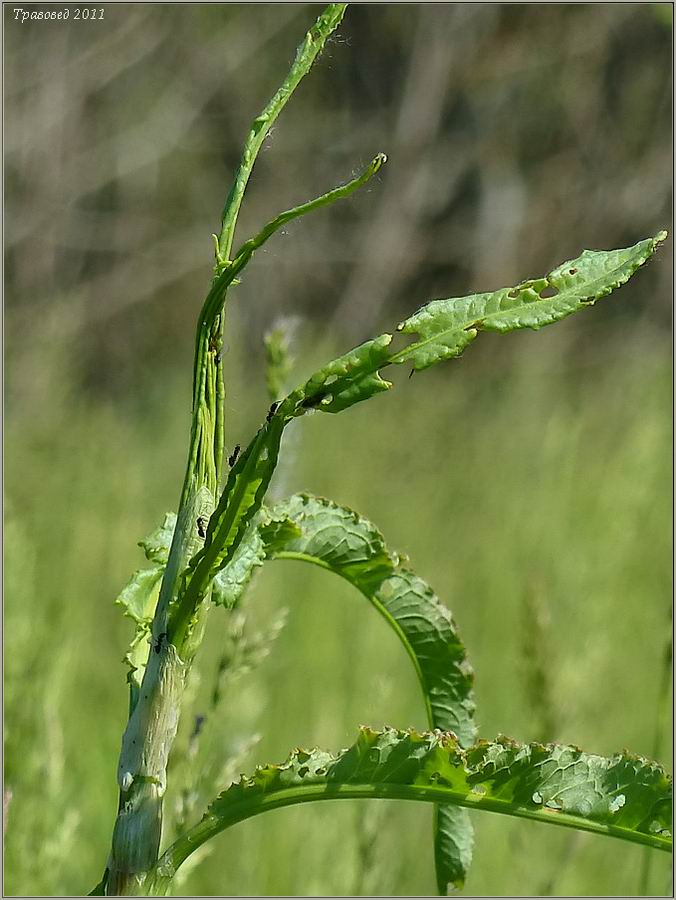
{"x": 453, "y": 847}
{"x": 240, "y": 501}
{"x": 231, "y": 582}
{"x": 138, "y": 597}
{"x": 344, "y": 381}
{"x": 156, "y": 545}
{"x": 339, "y": 540}
{"x": 446, "y": 327}
{"x": 623, "y": 796}
{"x": 277, "y": 527}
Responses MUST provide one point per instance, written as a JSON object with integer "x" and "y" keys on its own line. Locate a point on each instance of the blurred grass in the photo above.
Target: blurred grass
{"x": 547, "y": 476}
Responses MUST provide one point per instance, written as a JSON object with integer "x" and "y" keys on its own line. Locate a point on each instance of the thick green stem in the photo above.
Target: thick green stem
{"x": 152, "y": 725}
{"x": 153, "y": 721}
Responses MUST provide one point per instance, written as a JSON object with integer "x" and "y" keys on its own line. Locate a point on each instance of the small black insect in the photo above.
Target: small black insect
{"x": 159, "y": 641}
{"x": 271, "y": 411}
{"x": 232, "y": 459}
{"x": 197, "y": 728}
{"x": 201, "y": 526}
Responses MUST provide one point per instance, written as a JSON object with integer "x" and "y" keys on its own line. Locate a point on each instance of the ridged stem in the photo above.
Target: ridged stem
{"x": 153, "y": 721}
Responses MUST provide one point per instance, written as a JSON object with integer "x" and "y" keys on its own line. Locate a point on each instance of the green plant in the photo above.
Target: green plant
{"x": 206, "y": 554}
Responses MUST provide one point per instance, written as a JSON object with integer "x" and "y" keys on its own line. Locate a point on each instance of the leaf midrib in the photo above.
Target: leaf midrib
{"x": 249, "y": 806}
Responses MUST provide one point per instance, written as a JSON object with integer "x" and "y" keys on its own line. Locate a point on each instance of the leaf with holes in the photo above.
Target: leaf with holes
{"x": 446, "y": 327}
{"x": 622, "y": 796}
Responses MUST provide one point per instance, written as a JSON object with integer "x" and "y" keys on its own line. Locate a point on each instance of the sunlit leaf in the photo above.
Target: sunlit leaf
{"x": 622, "y": 796}
{"x": 156, "y": 545}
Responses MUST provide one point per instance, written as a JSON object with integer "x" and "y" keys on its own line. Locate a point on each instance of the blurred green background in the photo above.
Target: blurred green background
{"x": 529, "y": 482}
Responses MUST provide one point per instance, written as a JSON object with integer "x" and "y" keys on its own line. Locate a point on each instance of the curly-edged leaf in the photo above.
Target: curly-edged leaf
{"x": 231, "y": 582}
{"x": 156, "y": 545}
{"x": 338, "y": 539}
{"x": 453, "y": 847}
{"x": 316, "y": 530}
{"x": 277, "y": 527}
{"x": 623, "y": 796}
{"x": 139, "y": 596}
{"x": 445, "y": 327}
{"x": 136, "y": 659}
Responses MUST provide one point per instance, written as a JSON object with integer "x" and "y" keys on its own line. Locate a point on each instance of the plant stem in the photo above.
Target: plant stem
{"x": 153, "y": 721}
{"x": 306, "y": 54}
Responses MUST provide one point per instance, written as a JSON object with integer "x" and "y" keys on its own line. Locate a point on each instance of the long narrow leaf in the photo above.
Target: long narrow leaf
{"x": 444, "y": 327}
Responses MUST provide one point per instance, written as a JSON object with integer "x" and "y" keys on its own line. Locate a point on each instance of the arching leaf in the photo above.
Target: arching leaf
{"x": 335, "y": 538}
{"x": 340, "y": 540}
{"x": 623, "y": 796}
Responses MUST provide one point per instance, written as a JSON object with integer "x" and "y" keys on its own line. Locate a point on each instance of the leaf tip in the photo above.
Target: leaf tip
{"x": 378, "y": 162}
